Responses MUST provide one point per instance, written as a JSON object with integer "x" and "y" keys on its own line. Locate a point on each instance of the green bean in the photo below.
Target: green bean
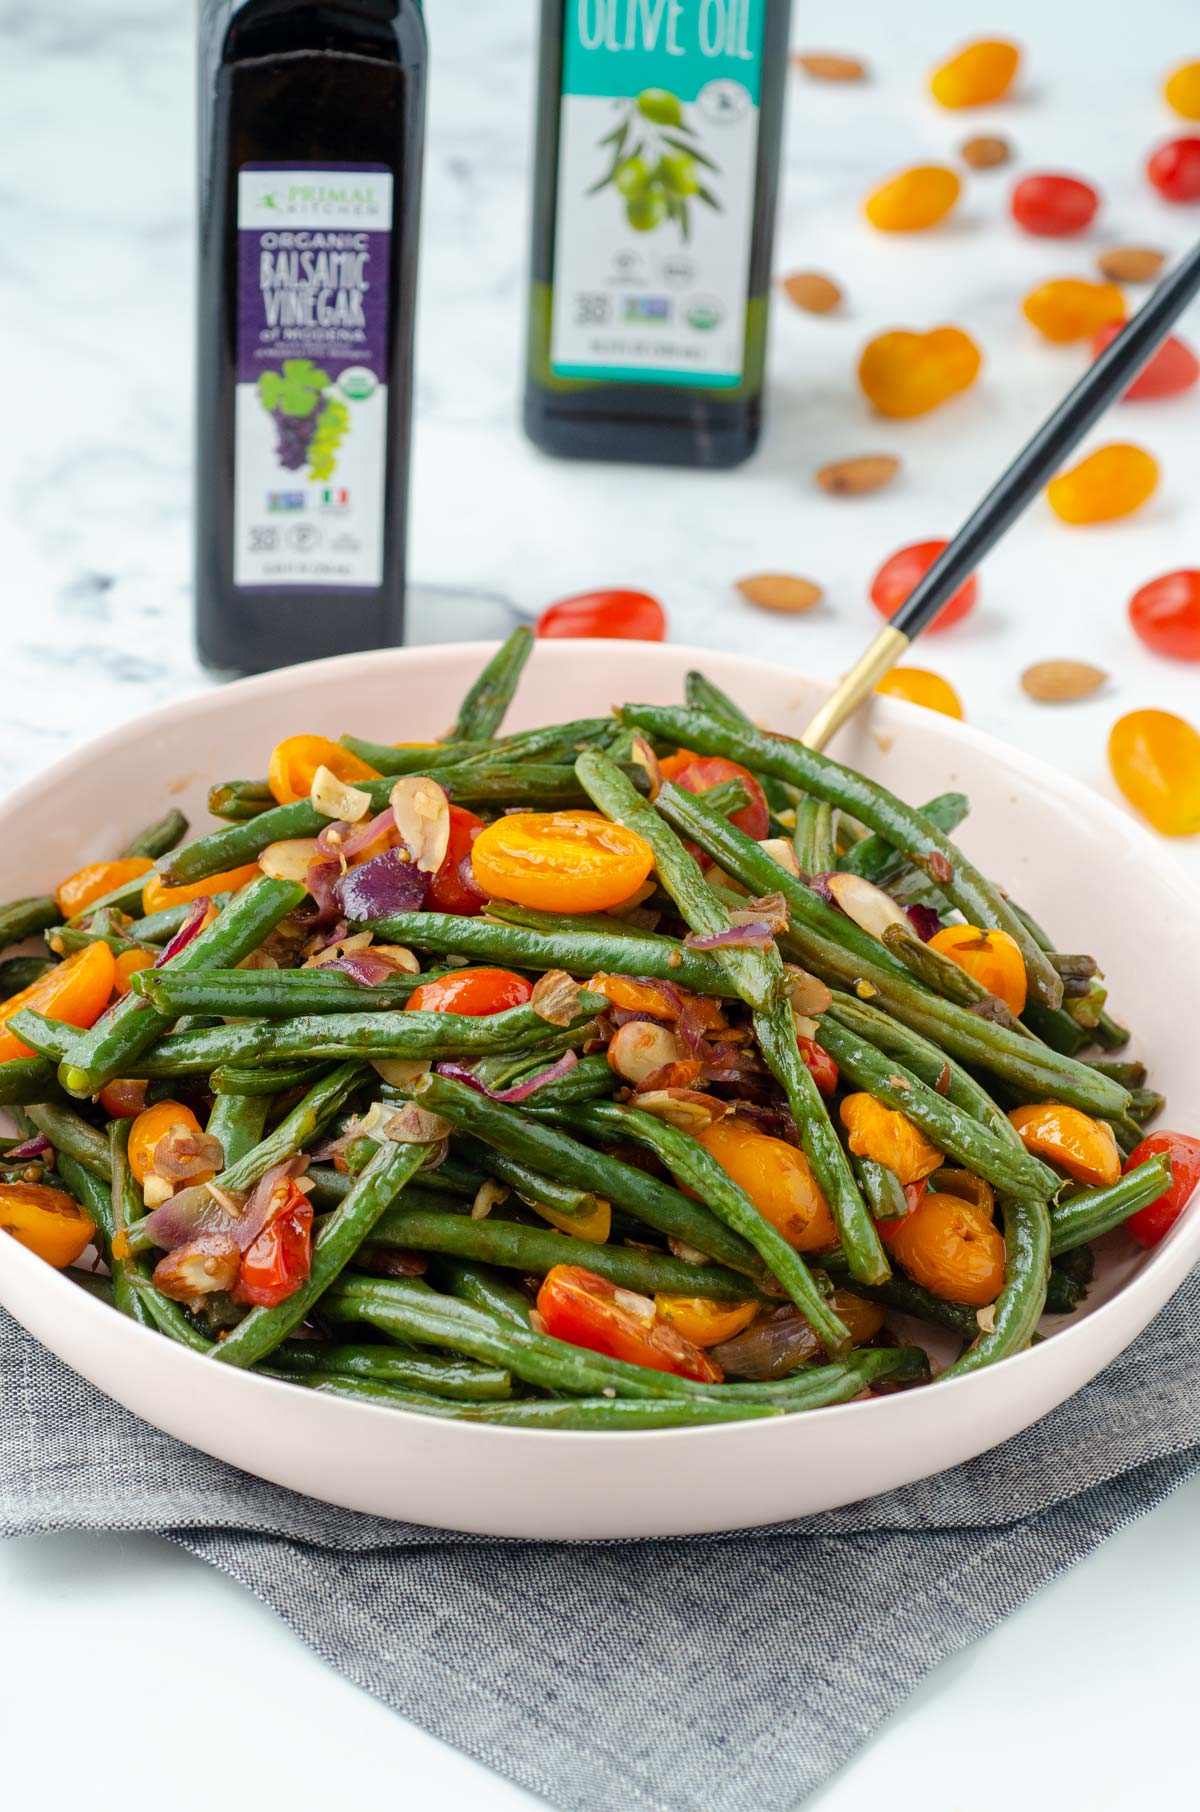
{"x": 758, "y": 977}
{"x": 346, "y": 1035}
{"x": 1085, "y": 1216}
{"x": 159, "y": 837}
{"x": 126, "y": 898}
{"x": 1055, "y": 1028}
{"x": 949, "y": 980}
{"x": 306, "y": 1119}
{"x": 925, "y": 1060}
{"x": 580, "y": 924}
{"x": 694, "y": 1168}
{"x": 1020, "y": 1304}
{"x": 95, "y": 1197}
{"x": 93, "y": 1284}
{"x": 1130, "y": 1075}
{"x": 533, "y": 1186}
{"x": 1002, "y": 1162}
{"x": 909, "y": 1298}
{"x": 48, "y": 1037}
{"x": 344, "y": 1232}
{"x": 66, "y": 939}
{"x": 1146, "y": 1104}
{"x": 590, "y": 1079}
{"x": 728, "y": 797}
{"x": 841, "y": 953}
{"x": 160, "y": 927}
{"x": 813, "y": 837}
{"x": 1127, "y": 1132}
{"x": 240, "y": 799}
{"x": 703, "y": 695}
{"x": 24, "y": 1080}
{"x": 875, "y": 859}
{"x": 1109, "y": 1033}
{"x": 249, "y": 1079}
{"x": 428, "y": 1372}
{"x": 484, "y": 1289}
{"x": 617, "y": 1415}
{"x": 555, "y": 742}
{"x": 20, "y": 919}
{"x": 270, "y": 993}
{"x": 237, "y": 1123}
{"x": 68, "y": 1133}
{"x": 137, "y": 1271}
{"x": 548, "y": 1150}
{"x": 20, "y": 972}
{"x": 881, "y": 1187}
{"x": 397, "y": 759}
{"x": 486, "y": 702}
{"x": 330, "y": 1186}
{"x": 873, "y": 805}
{"x": 1063, "y": 1293}
{"x": 119, "y": 1037}
{"x": 537, "y": 1250}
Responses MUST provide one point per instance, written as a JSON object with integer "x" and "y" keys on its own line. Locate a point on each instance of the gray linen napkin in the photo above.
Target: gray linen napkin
{"x": 717, "y": 1674}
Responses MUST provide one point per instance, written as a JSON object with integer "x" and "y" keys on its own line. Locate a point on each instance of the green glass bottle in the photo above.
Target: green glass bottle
{"x": 656, "y": 172}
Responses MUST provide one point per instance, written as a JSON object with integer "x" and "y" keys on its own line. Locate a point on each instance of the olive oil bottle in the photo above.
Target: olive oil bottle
{"x": 311, "y": 134}
{"x": 656, "y": 171}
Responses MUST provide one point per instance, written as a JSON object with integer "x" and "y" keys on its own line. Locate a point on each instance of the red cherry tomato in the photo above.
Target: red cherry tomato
{"x": 608, "y": 616}
{"x": 476, "y": 992}
{"x": 453, "y": 887}
{"x": 700, "y": 773}
{"x": 1166, "y": 614}
{"x": 1172, "y": 369}
{"x": 897, "y": 577}
{"x": 1153, "y": 1223}
{"x": 279, "y": 1260}
{"x": 1053, "y": 207}
{"x": 1174, "y": 169}
{"x": 587, "y": 1310}
{"x": 914, "y": 1195}
{"x": 819, "y": 1064}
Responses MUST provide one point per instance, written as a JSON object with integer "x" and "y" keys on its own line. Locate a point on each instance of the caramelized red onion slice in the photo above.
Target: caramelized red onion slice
{"x": 386, "y": 884}
{"x": 520, "y": 1091}
{"x": 341, "y": 839}
{"x": 190, "y": 929}
{"x": 32, "y": 1148}
{"x": 754, "y": 936}
{"x": 363, "y": 966}
{"x": 924, "y": 921}
{"x": 192, "y": 1212}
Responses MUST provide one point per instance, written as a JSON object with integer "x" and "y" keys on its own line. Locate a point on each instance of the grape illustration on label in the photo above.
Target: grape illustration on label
{"x": 656, "y": 163}
{"x": 310, "y": 423}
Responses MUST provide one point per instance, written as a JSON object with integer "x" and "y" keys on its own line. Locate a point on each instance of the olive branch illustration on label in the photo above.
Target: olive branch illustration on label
{"x": 656, "y": 163}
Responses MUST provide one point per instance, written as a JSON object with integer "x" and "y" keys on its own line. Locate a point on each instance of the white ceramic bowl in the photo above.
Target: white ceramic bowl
{"x": 1086, "y": 870}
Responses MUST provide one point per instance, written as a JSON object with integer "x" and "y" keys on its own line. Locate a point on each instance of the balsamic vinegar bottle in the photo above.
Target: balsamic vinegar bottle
{"x": 656, "y": 172}
{"x": 311, "y": 124}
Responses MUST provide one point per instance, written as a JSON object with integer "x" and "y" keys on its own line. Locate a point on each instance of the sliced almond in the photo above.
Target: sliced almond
{"x": 289, "y": 859}
{"x": 809, "y": 290}
{"x": 871, "y": 909}
{"x": 422, "y": 813}
{"x": 357, "y": 940}
{"x": 985, "y": 151}
{"x": 1131, "y": 263}
{"x": 685, "y": 1109}
{"x": 400, "y": 1071}
{"x": 1058, "y": 682}
{"x": 639, "y": 1048}
{"x": 398, "y": 957}
{"x": 808, "y": 994}
{"x": 827, "y": 66}
{"x": 407, "y": 1125}
{"x": 489, "y": 1195}
{"x": 334, "y": 799}
{"x": 780, "y": 591}
{"x": 644, "y": 757}
{"x": 781, "y": 850}
{"x": 856, "y": 477}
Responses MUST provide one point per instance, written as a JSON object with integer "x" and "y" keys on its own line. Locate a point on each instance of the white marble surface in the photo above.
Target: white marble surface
{"x": 95, "y": 315}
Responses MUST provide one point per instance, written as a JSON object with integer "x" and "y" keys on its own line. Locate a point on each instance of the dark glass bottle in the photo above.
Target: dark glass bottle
{"x": 656, "y": 173}
{"x": 311, "y": 134}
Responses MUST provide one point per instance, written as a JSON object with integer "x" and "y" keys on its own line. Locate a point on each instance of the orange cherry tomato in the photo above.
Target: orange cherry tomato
{"x": 1154, "y": 1222}
{"x": 952, "y": 1249}
{"x": 862, "y": 1318}
{"x": 913, "y": 200}
{"x": 977, "y": 74}
{"x": 899, "y": 574}
{"x": 606, "y": 616}
{"x": 149, "y": 1127}
{"x": 452, "y": 889}
{"x": 569, "y": 861}
{"x": 903, "y": 374}
{"x": 992, "y": 957}
{"x": 700, "y": 773}
{"x": 295, "y": 760}
{"x": 1171, "y": 370}
{"x": 1053, "y": 207}
{"x": 920, "y": 687}
{"x": 77, "y": 992}
{"x": 966, "y": 1184}
{"x": 1155, "y": 760}
{"x": 46, "y": 1221}
{"x": 914, "y": 1195}
{"x": 157, "y": 894}
{"x": 889, "y": 1137}
{"x": 78, "y": 891}
{"x": 123, "y": 1098}
{"x": 588, "y": 1311}
{"x": 1181, "y": 90}
{"x": 276, "y": 1264}
{"x": 1174, "y": 169}
{"x": 475, "y": 992}
{"x": 1113, "y": 481}
{"x": 1166, "y": 614}
{"x": 1071, "y": 1141}
{"x": 127, "y": 965}
{"x": 703, "y": 1321}
{"x": 779, "y": 1181}
{"x": 595, "y": 1226}
{"x": 1068, "y": 308}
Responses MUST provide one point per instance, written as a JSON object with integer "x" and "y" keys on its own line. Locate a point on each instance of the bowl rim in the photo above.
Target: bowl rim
{"x": 676, "y": 656}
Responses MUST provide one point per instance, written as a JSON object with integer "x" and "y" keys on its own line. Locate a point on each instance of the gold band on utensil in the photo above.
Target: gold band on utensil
{"x": 862, "y": 679}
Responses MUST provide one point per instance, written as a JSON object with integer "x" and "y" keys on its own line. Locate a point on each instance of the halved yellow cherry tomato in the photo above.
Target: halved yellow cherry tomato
{"x": 78, "y": 891}
{"x": 702, "y": 1320}
{"x": 966, "y": 1186}
{"x": 594, "y": 1227}
{"x": 46, "y": 1221}
{"x": 779, "y": 1181}
{"x": 920, "y": 687}
{"x": 952, "y": 1249}
{"x": 157, "y": 894}
{"x": 127, "y": 966}
{"x": 560, "y": 861}
{"x": 77, "y": 991}
{"x": 864, "y": 1319}
{"x": 1072, "y": 1141}
{"x": 295, "y": 760}
{"x": 889, "y": 1137}
{"x": 149, "y": 1128}
{"x": 992, "y": 957}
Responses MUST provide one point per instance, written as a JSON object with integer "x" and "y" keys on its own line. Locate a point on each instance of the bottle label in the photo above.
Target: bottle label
{"x": 310, "y": 409}
{"x": 658, "y": 136}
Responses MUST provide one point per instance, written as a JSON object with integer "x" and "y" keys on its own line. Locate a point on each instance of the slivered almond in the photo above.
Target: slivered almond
{"x": 816, "y": 294}
{"x": 1059, "y": 682}
{"x": 856, "y": 477}
{"x": 780, "y": 591}
{"x": 422, "y": 814}
{"x": 1130, "y": 263}
{"x": 985, "y": 152}
{"x": 289, "y": 859}
{"x": 828, "y": 66}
